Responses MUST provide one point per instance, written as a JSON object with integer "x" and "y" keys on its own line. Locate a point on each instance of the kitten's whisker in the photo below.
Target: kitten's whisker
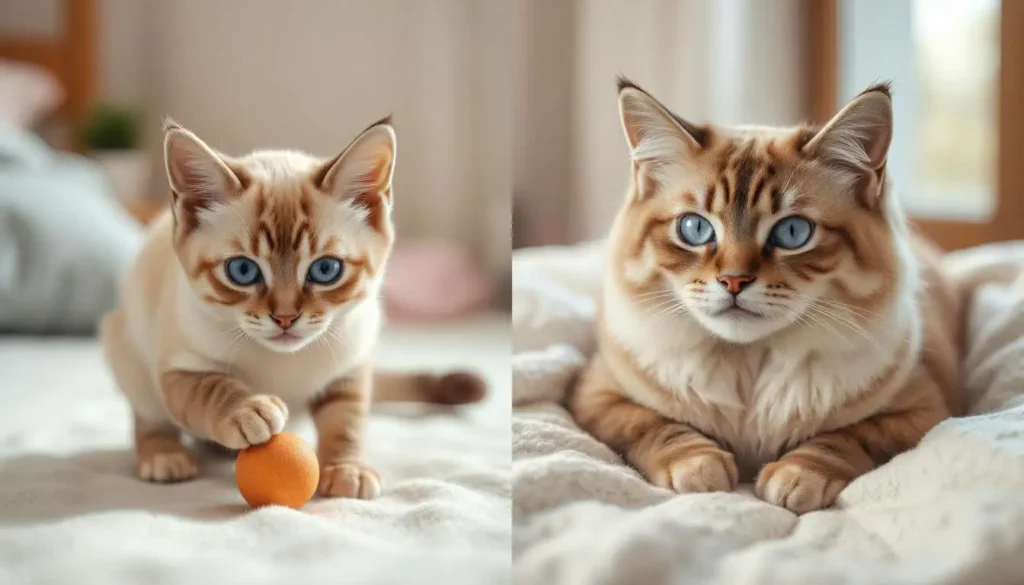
{"x": 653, "y": 294}
{"x": 336, "y": 335}
{"x": 236, "y": 343}
{"x": 660, "y": 305}
{"x": 320, "y": 339}
{"x": 676, "y": 308}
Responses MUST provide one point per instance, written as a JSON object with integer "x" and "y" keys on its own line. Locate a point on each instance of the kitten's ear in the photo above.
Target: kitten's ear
{"x": 656, "y": 136}
{"x": 858, "y": 137}
{"x": 195, "y": 171}
{"x": 363, "y": 172}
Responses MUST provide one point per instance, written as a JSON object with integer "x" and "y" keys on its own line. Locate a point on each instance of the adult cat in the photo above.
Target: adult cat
{"x": 767, "y": 313}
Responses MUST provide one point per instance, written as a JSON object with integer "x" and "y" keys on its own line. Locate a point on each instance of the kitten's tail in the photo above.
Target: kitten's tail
{"x": 451, "y": 388}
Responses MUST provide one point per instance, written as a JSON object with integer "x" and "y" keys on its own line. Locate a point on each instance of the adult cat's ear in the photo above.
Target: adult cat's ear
{"x": 195, "y": 171}
{"x": 858, "y": 137}
{"x": 656, "y": 137}
{"x": 363, "y": 172}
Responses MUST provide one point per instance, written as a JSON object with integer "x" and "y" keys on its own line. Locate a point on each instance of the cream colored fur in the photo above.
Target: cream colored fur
{"x": 164, "y": 325}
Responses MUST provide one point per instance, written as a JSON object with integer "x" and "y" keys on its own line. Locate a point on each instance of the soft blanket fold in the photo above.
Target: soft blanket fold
{"x": 949, "y": 511}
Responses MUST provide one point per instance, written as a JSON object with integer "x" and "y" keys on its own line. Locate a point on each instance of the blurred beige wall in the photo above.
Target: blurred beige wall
{"x": 726, "y": 61}
{"x": 310, "y": 74}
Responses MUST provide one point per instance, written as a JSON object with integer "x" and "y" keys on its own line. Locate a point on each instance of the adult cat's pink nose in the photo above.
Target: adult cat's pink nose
{"x": 285, "y": 321}
{"x": 735, "y": 283}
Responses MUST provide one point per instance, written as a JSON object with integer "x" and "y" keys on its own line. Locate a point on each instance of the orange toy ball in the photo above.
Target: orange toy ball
{"x": 283, "y": 471}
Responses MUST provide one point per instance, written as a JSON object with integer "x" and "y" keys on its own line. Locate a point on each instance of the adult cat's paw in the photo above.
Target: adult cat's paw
{"x": 252, "y": 422}
{"x": 705, "y": 471}
{"x": 349, "y": 480}
{"x": 799, "y": 487}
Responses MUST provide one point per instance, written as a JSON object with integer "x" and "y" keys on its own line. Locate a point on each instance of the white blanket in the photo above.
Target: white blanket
{"x": 71, "y": 510}
{"x": 949, "y": 511}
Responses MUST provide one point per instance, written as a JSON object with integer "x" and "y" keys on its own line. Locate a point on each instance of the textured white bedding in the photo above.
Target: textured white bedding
{"x": 949, "y": 511}
{"x": 71, "y": 510}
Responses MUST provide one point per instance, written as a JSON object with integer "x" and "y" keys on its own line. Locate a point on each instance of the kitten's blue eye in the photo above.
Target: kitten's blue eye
{"x": 695, "y": 230}
{"x": 791, "y": 232}
{"x": 242, "y": 271}
{"x": 326, "y": 270}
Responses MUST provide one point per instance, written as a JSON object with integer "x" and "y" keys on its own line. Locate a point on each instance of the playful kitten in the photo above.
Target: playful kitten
{"x": 767, "y": 314}
{"x": 258, "y": 294}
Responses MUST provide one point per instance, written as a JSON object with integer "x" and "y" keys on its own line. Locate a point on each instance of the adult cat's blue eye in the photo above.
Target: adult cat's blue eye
{"x": 242, "y": 271}
{"x": 326, "y": 270}
{"x": 695, "y": 230}
{"x": 791, "y": 232}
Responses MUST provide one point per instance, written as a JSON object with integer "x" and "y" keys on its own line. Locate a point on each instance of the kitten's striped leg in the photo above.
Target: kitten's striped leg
{"x": 159, "y": 454}
{"x": 811, "y": 476}
{"x": 340, "y": 414}
{"x": 215, "y": 406}
{"x": 670, "y": 454}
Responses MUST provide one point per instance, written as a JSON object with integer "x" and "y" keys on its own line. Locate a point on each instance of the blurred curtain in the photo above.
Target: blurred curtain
{"x": 726, "y": 61}
{"x": 309, "y": 75}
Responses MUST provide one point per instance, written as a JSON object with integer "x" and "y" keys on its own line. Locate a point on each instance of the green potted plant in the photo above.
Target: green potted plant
{"x": 113, "y": 136}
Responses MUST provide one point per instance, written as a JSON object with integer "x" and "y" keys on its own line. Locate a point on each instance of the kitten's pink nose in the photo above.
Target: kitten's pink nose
{"x": 285, "y": 321}
{"x": 735, "y": 283}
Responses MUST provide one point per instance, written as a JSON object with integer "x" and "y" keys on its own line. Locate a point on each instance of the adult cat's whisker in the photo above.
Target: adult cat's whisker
{"x": 678, "y": 309}
{"x": 844, "y": 322}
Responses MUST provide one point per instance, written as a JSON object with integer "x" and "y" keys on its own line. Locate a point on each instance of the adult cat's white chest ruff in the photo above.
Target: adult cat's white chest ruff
{"x": 756, "y": 399}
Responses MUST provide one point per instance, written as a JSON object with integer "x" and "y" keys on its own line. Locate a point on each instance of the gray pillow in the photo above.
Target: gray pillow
{"x": 65, "y": 243}
{"x": 23, "y": 149}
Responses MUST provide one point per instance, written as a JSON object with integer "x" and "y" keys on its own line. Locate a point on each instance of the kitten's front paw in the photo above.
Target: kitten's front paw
{"x": 798, "y": 487}
{"x": 167, "y": 467}
{"x": 252, "y": 422}
{"x": 707, "y": 471}
{"x": 349, "y": 480}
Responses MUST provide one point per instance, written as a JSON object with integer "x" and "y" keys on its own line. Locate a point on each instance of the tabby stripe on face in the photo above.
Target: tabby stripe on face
{"x": 652, "y": 224}
{"x": 851, "y": 243}
{"x": 727, "y": 190}
{"x": 755, "y": 190}
{"x": 301, "y": 230}
{"x": 776, "y": 200}
{"x": 222, "y": 294}
{"x": 711, "y": 197}
{"x": 745, "y": 167}
{"x": 761, "y": 185}
{"x": 347, "y": 291}
{"x": 260, "y": 209}
{"x": 267, "y": 233}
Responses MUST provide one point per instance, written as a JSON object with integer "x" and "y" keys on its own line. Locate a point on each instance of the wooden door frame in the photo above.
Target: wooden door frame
{"x": 821, "y": 98}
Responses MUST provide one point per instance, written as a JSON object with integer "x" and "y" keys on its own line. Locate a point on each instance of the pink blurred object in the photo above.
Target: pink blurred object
{"x": 27, "y": 94}
{"x": 433, "y": 279}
